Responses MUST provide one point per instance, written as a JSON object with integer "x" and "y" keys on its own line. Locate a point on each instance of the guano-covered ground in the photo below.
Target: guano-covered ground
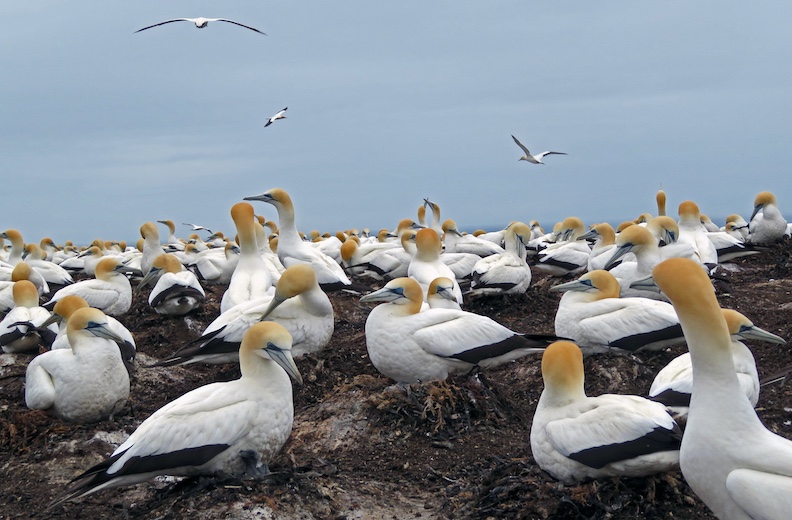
{"x": 364, "y": 448}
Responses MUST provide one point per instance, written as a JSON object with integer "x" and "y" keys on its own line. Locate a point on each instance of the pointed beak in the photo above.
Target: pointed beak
{"x": 54, "y": 318}
{"x": 620, "y": 252}
{"x": 101, "y": 330}
{"x": 574, "y": 285}
{"x": 757, "y": 209}
{"x": 151, "y": 277}
{"x": 285, "y": 360}
{"x": 760, "y": 335}
{"x": 264, "y": 197}
{"x": 589, "y": 235}
{"x": 645, "y": 284}
{"x": 277, "y": 300}
{"x": 383, "y": 295}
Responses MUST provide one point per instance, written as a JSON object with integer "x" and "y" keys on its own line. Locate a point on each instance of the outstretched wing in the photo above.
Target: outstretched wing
{"x": 239, "y": 24}
{"x": 163, "y": 23}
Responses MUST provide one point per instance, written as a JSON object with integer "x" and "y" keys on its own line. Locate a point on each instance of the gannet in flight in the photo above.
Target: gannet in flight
{"x": 277, "y": 116}
{"x": 201, "y": 23}
{"x": 536, "y": 159}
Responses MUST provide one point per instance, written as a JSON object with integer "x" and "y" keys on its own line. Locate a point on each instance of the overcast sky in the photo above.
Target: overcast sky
{"x": 102, "y": 129}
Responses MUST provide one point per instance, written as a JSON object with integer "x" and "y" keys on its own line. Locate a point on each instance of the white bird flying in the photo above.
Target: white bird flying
{"x": 277, "y": 116}
{"x": 536, "y": 159}
{"x": 201, "y": 23}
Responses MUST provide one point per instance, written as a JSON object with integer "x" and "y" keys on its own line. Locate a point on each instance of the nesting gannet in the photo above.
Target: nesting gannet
{"x": 361, "y": 259}
{"x": 575, "y": 437}
{"x": 109, "y": 292}
{"x": 568, "y": 256}
{"x": 642, "y": 243}
{"x": 767, "y": 224}
{"x": 508, "y": 272}
{"x": 674, "y": 383}
{"x": 279, "y": 115}
{"x": 604, "y": 238}
{"x": 456, "y": 242}
{"x": 692, "y": 232}
{"x": 176, "y": 290}
{"x": 201, "y": 23}
{"x": 440, "y": 294}
{"x": 426, "y": 265}
{"x": 536, "y": 159}
{"x": 85, "y": 383}
{"x": 592, "y": 314}
{"x": 251, "y": 279}
{"x": 291, "y": 248}
{"x": 215, "y": 265}
{"x": 50, "y": 271}
{"x": 23, "y": 329}
{"x": 739, "y": 227}
{"x": 232, "y": 428}
{"x": 738, "y": 468}
{"x": 67, "y": 306}
{"x": 298, "y": 303}
{"x": 409, "y": 345}
{"x": 21, "y": 271}
{"x": 15, "y": 257}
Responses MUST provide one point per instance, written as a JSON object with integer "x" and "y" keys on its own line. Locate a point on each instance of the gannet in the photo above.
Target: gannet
{"x": 86, "y": 383}
{"x": 708, "y": 224}
{"x": 568, "y": 256}
{"x": 440, "y": 294}
{"x": 21, "y": 271}
{"x": 456, "y": 242}
{"x": 49, "y": 248}
{"x": 201, "y": 23}
{"x": 292, "y": 250}
{"x": 508, "y": 272}
{"x": 277, "y": 116}
{"x": 215, "y": 265}
{"x": 604, "y": 238}
{"x": 660, "y": 199}
{"x": 426, "y": 265}
{"x": 536, "y": 159}
{"x": 739, "y": 227}
{"x": 767, "y": 225}
{"x": 251, "y": 279}
{"x": 232, "y": 428}
{"x": 176, "y": 291}
{"x": 23, "y": 329}
{"x": 642, "y": 243}
{"x": 410, "y": 345}
{"x": 109, "y": 292}
{"x": 63, "y": 310}
{"x": 297, "y": 303}
{"x": 674, "y": 383}
{"x": 196, "y": 227}
{"x": 592, "y": 314}
{"x": 575, "y": 437}
{"x": 436, "y": 223}
{"x": 692, "y": 232}
{"x": 50, "y": 271}
{"x": 15, "y": 257}
{"x": 151, "y": 246}
{"x": 738, "y": 468}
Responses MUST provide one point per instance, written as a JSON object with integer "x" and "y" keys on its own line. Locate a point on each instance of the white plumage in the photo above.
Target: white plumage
{"x": 674, "y": 383}
{"x": 176, "y": 291}
{"x": 767, "y": 224}
{"x": 574, "y": 437}
{"x": 592, "y": 314}
{"x": 508, "y": 272}
{"x": 426, "y": 265}
{"x": 293, "y": 250}
{"x": 109, "y": 292}
{"x": 738, "y": 468}
{"x": 86, "y": 383}
{"x": 251, "y": 279}
{"x": 23, "y": 329}
{"x": 232, "y": 428}
{"x": 411, "y": 345}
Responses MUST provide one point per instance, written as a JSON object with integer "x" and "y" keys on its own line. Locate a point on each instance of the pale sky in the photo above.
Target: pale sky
{"x": 102, "y": 129}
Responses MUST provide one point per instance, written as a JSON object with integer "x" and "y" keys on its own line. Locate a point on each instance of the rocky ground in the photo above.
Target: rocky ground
{"x": 364, "y": 448}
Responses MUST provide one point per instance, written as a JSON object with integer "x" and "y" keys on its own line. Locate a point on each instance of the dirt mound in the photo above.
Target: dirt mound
{"x": 363, "y": 447}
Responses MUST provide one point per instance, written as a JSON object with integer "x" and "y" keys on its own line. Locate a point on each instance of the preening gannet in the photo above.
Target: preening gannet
{"x": 23, "y": 329}
{"x": 232, "y": 428}
{"x": 738, "y": 468}
{"x": 410, "y": 345}
{"x": 176, "y": 290}
{"x": 86, "y": 383}
{"x": 575, "y": 437}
